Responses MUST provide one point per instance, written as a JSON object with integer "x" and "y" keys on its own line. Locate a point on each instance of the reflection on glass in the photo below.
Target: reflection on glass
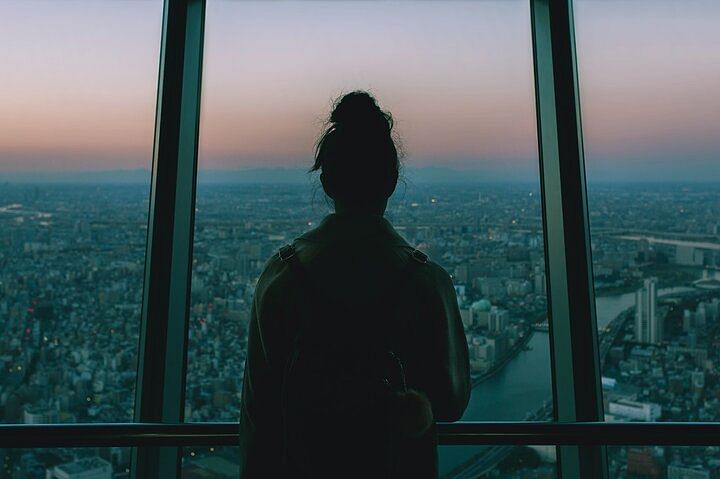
{"x": 65, "y": 463}
{"x": 457, "y": 76}
{"x": 76, "y": 132}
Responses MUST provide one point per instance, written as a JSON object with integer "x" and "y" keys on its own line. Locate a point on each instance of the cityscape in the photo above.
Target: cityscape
{"x": 71, "y": 278}
{"x": 91, "y": 94}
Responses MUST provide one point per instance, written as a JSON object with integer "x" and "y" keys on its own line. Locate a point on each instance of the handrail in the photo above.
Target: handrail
{"x": 459, "y": 433}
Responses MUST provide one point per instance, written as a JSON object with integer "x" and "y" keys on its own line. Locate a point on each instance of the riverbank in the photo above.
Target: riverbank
{"x": 617, "y": 307}
{"x": 497, "y": 367}
{"x": 522, "y": 382}
{"x": 513, "y": 392}
{"x": 610, "y": 333}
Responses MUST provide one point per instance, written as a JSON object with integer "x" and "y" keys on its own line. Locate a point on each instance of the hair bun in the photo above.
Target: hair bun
{"x": 359, "y": 109}
{"x": 357, "y": 152}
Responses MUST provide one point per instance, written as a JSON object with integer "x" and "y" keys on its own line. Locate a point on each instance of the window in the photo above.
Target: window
{"x": 76, "y": 133}
{"x": 649, "y": 76}
{"x": 470, "y": 197}
{"x": 73, "y": 189}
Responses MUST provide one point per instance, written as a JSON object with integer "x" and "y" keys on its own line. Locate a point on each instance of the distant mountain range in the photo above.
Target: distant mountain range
{"x": 430, "y": 174}
{"x": 299, "y": 176}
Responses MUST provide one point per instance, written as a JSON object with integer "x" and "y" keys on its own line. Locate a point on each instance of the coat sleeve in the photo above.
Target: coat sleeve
{"x": 260, "y": 425}
{"x": 449, "y": 389}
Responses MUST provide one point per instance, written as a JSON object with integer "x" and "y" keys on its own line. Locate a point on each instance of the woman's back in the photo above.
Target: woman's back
{"x": 356, "y": 264}
{"x": 327, "y": 311}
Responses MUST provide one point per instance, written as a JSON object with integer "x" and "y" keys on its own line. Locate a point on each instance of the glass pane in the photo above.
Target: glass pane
{"x": 66, "y": 463}
{"x": 220, "y": 462}
{"x": 663, "y": 462}
{"x": 508, "y": 462}
{"x": 76, "y": 134}
{"x": 489, "y": 237}
{"x": 457, "y": 77}
{"x": 649, "y": 76}
{"x": 456, "y": 462}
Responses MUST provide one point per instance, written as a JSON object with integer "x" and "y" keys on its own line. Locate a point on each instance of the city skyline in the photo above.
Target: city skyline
{"x": 283, "y": 175}
{"x": 648, "y": 88}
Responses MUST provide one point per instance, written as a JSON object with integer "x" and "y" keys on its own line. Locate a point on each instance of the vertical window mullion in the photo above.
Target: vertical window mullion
{"x": 571, "y": 302}
{"x": 166, "y": 295}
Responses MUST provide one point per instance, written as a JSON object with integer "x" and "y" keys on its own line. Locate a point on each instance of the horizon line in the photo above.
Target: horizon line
{"x": 296, "y": 175}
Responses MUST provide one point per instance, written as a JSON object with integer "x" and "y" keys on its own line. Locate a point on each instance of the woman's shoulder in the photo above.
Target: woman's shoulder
{"x": 435, "y": 279}
{"x": 274, "y": 278}
{"x": 431, "y": 280}
{"x": 277, "y": 275}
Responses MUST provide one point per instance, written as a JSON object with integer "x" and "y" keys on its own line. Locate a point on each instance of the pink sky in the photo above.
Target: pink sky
{"x": 79, "y": 90}
{"x": 457, "y": 76}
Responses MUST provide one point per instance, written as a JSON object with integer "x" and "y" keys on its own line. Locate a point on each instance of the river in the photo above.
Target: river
{"x": 525, "y": 382}
{"x": 522, "y": 386}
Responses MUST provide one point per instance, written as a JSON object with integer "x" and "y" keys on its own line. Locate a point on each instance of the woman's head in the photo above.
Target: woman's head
{"x": 356, "y": 154}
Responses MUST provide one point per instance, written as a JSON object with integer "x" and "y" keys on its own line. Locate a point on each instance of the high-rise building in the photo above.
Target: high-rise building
{"x": 497, "y": 319}
{"x": 648, "y": 326}
{"x": 689, "y": 256}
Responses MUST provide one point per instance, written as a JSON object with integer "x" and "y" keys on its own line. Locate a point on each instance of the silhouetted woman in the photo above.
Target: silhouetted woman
{"x": 355, "y": 346}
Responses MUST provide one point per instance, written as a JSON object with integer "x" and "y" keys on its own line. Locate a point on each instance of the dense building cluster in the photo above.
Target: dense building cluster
{"x": 662, "y": 362}
{"x": 70, "y": 291}
{"x": 71, "y": 273}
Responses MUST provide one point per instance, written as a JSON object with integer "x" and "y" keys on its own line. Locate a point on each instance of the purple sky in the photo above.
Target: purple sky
{"x": 650, "y": 87}
{"x": 79, "y": 82}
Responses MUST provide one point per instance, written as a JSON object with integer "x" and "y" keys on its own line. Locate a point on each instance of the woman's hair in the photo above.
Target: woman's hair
{"x": 356, "y": 152}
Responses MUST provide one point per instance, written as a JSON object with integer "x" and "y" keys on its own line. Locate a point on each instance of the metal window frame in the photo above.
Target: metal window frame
{"x": 577, "y": 393}
{"x": 571, "y": 303}
{"x": 160, "y": 391}
{"x": 460, "y": 433}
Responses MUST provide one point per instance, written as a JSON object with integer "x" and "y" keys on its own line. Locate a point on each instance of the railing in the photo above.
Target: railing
{"x": 460, "y": 433}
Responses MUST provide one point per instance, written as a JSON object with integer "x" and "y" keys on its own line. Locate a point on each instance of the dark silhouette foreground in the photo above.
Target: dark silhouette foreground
{"x": 355, "y": 345}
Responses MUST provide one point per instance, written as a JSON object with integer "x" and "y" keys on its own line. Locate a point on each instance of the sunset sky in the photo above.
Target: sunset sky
{"x": 79, "y": 82}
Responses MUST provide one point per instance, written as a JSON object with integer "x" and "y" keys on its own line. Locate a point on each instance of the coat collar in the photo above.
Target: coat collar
{"x": 348, "y": 228}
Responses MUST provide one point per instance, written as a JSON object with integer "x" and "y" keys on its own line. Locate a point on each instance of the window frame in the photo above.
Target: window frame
{"x": 577, "y": 393}
{"x": 160, "y": 391}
